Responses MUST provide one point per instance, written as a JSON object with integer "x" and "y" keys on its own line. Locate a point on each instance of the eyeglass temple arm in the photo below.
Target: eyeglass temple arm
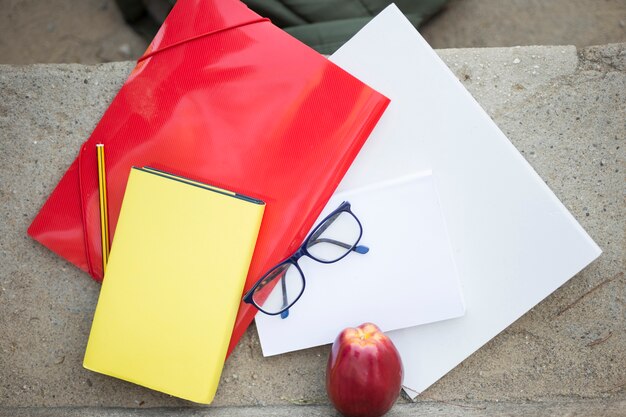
{"x": 283, "y": 285}
{"x": 358, "y": 249}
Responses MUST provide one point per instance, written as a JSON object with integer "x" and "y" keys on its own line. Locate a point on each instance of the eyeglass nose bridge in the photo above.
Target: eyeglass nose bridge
{"x": 299, "y": 254}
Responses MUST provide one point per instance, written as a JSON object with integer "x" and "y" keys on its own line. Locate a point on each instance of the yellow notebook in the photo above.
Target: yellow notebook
{"x": 173, "y": 284}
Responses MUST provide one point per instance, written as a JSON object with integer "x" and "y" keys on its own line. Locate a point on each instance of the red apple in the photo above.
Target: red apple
{"x": 364, "y": 372}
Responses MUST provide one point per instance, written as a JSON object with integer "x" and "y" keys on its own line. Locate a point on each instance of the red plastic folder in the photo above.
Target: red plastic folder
{"x": 224, "y": 97}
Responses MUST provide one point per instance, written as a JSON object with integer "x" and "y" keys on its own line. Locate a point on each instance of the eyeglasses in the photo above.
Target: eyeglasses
{"x": 331, "y": 240}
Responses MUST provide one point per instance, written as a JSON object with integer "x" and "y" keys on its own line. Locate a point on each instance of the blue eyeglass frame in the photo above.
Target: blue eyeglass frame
{"x": 302, "y": 251}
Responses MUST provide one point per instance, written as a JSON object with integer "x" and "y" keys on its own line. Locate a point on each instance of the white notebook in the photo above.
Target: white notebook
{"x": 407, "y": 278}
{"x": 513, "y": 241}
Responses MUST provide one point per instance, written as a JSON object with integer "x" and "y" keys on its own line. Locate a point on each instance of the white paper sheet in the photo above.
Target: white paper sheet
{"x": 513, "y": 241}
{"x": 407, "y": 278}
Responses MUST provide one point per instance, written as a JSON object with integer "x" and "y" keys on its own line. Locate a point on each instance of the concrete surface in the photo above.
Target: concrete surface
{"x": 573, "y": 408}
{"x": 480, "y": 23}
{"x": 77, "y": 31}
{"x": 92, "y": 31}
{"x": 564, "y": 109}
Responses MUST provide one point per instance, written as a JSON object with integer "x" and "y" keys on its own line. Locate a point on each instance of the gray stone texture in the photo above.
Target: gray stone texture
{"x": 564, "y": 109}
{"x": 484, "y": 23}
{"x": 77, "y": 31}
{"x": 572, "y": 408}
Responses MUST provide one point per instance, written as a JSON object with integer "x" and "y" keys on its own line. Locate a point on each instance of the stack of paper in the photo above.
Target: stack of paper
{"x": 513, "y": 241}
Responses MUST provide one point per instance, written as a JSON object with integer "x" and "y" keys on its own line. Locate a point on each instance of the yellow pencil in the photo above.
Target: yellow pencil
{"x": 104, "y": 216}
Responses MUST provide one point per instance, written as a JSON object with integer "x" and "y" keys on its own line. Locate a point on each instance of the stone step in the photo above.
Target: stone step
{"x": 579, "y": 407}
{"x": 563, "y": 109}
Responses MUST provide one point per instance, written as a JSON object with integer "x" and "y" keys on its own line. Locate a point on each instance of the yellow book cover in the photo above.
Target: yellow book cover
{"x": 173, "y": 284}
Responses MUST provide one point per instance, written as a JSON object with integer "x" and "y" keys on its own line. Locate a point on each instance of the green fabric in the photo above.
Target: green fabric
{"x": 324, "y": 25}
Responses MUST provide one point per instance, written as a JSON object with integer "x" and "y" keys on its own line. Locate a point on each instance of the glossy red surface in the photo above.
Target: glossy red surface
{"x": 224, "y": 97}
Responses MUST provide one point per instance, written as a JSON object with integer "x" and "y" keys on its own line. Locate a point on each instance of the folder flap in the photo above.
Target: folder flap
{"x": 190, "y": 20}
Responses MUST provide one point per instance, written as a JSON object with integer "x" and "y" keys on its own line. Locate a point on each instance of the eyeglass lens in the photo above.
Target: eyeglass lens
{"x": 289, "y": 285}
{"x": 334, "y": 238}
